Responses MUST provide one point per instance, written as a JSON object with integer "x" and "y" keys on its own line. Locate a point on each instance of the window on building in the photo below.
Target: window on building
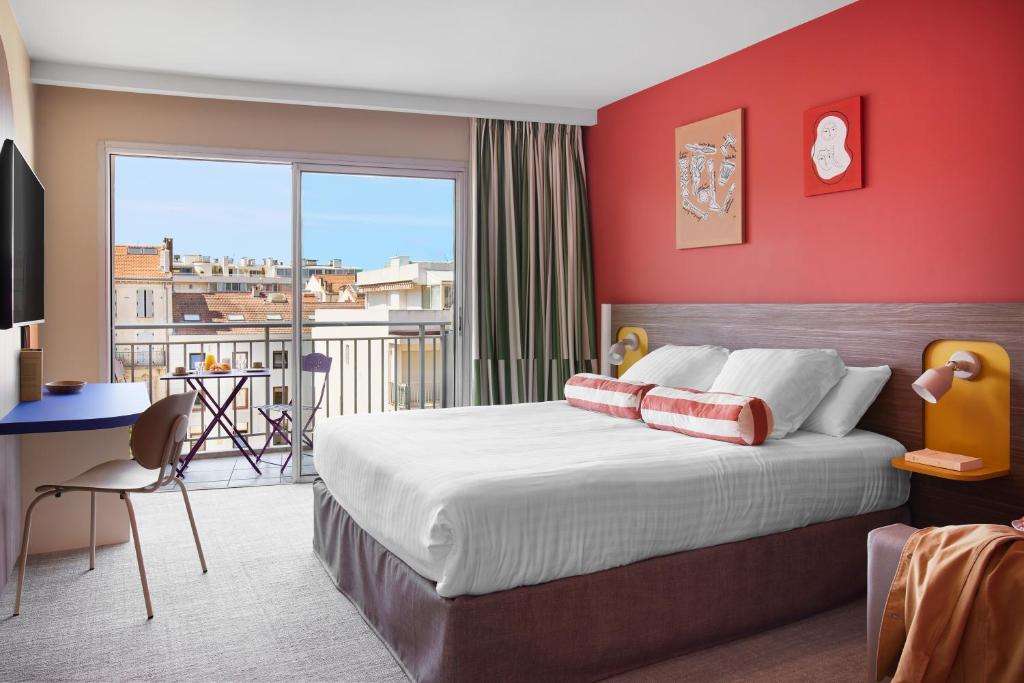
{"x": 280, "y": 362}
{"x": 446, "y": 297}
{"x": 242, "y": 399}
{"x": 279, "y": 395}
{"x": 142, "y": 251}
{"x": 240, "y": 359}
{"x": 144, "y": 307}
{"x": 274, "y": 316}
{"x": 236, "y": 316}
{"x": 191, "y": 317}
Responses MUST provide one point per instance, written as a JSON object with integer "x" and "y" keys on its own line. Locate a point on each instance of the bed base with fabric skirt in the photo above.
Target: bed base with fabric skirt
{"x": 585, "y": 628}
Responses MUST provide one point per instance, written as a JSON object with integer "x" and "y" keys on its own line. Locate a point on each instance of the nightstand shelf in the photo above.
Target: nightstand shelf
{"x": 986, "y": 472}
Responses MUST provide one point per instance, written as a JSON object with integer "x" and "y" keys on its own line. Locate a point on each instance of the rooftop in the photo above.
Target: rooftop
{"x": 138, "y": 262}
{"x": 334, "y": 283}
{"x": 223, "y": 307}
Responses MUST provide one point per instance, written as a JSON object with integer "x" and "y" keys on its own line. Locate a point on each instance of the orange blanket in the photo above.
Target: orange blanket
{"x": 956, "y": 607}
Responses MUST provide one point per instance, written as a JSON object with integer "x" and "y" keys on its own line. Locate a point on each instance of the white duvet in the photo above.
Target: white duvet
{"x": 485, "y": 499}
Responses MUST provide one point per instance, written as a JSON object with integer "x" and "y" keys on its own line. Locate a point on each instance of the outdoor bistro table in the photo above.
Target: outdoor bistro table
{"x": 196, "y": 380}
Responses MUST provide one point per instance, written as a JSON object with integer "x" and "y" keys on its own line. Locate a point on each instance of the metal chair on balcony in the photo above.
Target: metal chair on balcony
{"x": 155, "y": 444}
{"x": 315, "y": 364}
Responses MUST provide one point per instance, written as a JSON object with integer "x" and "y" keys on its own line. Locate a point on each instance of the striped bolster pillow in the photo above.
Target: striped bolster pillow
{"x": 617, "y": 397}
{"x": 725, "y": 417}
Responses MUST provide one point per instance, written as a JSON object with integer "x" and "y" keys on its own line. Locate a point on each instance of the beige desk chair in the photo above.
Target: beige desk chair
{"x": 156, "y": 446}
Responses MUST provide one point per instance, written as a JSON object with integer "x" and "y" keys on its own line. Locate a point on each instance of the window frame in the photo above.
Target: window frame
{"x": 457, "y": 170}
{"x": 145, "y": 302}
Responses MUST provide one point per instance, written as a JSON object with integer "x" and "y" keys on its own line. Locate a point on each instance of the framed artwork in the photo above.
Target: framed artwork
{"x": 709, "y": 181}
{"x": 832, "y": 147}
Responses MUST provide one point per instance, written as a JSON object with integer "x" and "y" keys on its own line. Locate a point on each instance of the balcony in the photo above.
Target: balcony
{"x": 399, "y": 362}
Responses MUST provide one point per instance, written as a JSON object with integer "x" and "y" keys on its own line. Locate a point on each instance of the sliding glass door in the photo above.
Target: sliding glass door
{"x": 380, "y": 293}
{"x": 335, "y": 286}
{"x": 198, "y": 254}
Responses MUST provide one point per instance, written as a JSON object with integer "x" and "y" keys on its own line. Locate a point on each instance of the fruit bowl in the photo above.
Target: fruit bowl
{"x": 65, "y": 386}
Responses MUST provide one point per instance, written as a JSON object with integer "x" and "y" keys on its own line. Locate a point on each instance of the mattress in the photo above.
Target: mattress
{"x": 486, "y": 499}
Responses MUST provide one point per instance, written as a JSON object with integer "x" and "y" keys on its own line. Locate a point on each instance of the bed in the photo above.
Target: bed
{"x": 486, "y": 499}
{"x": 543, "y": 542}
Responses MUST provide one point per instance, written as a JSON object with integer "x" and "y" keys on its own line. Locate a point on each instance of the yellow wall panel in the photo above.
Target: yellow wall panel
{"x": 973, "y": 418}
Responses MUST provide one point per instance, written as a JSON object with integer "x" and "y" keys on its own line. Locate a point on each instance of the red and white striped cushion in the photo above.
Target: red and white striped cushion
{"x": 616, "y": 397}
{"x": 726, "y": 417}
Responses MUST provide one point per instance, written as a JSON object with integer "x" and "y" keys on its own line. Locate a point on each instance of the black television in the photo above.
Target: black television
{"x": 21, "y": 240}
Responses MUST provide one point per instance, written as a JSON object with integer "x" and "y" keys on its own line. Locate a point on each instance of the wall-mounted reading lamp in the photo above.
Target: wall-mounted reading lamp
{"x": 935, "y": 382}
{"x": 617, "y": 352}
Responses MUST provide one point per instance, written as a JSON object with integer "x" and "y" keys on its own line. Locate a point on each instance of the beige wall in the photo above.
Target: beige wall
{"x": 10, "y": 340}
{"x": 71, "y": 126}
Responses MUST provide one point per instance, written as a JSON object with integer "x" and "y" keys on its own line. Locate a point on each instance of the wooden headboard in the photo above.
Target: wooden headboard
{"x": 872, "y": 334}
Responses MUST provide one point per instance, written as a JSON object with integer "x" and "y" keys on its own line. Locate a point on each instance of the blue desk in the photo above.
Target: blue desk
{"x": 97, "y": 406}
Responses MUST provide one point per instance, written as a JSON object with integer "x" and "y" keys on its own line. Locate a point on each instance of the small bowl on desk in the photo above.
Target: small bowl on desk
{"x": 65, "y": 386}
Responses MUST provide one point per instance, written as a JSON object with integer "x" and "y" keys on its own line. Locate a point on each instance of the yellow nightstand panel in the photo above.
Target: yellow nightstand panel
{"x": 973, "y": 418}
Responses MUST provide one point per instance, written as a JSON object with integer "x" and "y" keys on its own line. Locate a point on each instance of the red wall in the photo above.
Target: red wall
{"x": 939, "y": 218}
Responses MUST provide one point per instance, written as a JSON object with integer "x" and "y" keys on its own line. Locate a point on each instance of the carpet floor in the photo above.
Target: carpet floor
{"x": 267, "y": 610}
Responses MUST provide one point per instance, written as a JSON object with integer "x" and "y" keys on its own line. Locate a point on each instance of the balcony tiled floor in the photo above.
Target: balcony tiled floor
{"x": 235, "y": 471}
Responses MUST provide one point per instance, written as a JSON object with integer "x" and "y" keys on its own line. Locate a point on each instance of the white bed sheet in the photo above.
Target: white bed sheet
{"x": 486, "y": 499}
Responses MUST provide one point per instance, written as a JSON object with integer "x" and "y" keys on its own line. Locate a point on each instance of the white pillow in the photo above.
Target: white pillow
{"x": 792, "y": 381}
{"x": 679, "y": 367}
{"x": 844, "y": 406}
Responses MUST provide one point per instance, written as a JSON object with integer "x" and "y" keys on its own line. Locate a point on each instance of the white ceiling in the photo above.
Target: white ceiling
{"x": 530, "y": 59}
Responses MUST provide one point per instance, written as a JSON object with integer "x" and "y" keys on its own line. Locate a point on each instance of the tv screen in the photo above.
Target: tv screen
{"x": 21, "y": 240}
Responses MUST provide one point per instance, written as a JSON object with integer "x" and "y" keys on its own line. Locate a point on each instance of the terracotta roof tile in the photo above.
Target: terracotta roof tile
{"x": 334, "y": 283}
{"x": 215, "y": 307}
{"x": 138, "y": 266}
{"x": 398, "y": 285}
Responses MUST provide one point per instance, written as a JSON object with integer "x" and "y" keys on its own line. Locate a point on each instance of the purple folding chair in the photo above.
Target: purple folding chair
{"x": 313, "y": 363}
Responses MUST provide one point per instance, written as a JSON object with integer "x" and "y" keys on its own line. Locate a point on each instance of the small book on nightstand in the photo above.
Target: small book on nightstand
{"x": 947, "y": 461}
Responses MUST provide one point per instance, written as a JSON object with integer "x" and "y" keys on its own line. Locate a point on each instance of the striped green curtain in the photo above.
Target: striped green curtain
{"x": 534, "y": 278}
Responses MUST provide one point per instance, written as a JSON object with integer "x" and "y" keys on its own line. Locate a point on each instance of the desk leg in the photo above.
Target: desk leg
{"x": 92, "y": 530}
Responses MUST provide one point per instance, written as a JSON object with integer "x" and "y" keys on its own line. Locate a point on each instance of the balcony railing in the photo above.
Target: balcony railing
{"x": 376, "y": 367}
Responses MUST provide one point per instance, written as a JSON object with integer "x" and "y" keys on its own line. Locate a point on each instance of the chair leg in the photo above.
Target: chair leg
{"x": 192, "y": 521}
{"x": 23, "y": 558}
{"x": 92, "y": 530}
{"x": 138, "y": 552}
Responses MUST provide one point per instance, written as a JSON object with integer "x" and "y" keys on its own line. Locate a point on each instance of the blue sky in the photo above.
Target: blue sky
{"x": 235, "y": 209}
